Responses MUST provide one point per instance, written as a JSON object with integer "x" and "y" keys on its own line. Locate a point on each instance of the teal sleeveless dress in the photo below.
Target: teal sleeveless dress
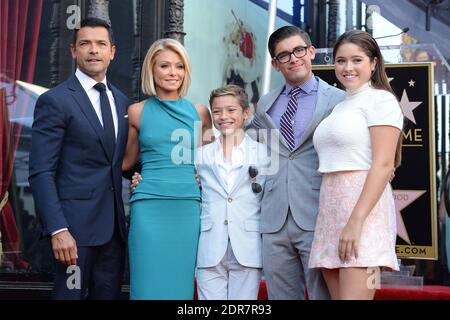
{"x": 165, "y": 207}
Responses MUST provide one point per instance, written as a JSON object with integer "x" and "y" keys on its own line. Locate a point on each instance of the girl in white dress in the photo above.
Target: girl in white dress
{"x": 358, "y": 146}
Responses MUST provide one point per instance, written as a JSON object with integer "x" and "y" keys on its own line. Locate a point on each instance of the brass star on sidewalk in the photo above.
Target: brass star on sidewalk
{"x": 409, "y": 106}
{"x": 404, "y": 198}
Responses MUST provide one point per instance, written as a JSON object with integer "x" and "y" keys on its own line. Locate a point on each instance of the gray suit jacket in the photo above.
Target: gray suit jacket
{"x": 296, "y": 185}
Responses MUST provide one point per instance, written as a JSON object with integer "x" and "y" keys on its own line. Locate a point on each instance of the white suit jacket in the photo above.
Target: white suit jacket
{"x": 235, "y": 214}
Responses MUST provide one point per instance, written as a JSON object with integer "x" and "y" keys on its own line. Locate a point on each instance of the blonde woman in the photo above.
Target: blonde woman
{"x": 165, "y": 207}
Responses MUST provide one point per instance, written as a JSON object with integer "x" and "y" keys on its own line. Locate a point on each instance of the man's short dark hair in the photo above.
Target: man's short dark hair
{"x": 93, "y": 23}
{"x": 286, "y": 32}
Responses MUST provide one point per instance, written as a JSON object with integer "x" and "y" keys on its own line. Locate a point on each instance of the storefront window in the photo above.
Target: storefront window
{"x": 22, "y": 250}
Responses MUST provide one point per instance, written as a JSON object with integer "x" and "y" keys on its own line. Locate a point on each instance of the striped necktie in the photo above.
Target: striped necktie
{"x": 287, "y": 119}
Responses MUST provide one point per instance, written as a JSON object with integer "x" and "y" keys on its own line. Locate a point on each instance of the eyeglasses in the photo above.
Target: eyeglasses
{"x": 285, "y": 56}
{"x": 253, "y": 172}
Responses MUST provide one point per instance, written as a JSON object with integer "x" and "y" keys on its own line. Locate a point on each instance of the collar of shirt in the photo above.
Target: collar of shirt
{"x": 237, "y": 155}
{"x": 229, "y": 170}
{"x": 307, "y": 87}
{"x": 94, "y": 97}
{"x": 87, "y": 82}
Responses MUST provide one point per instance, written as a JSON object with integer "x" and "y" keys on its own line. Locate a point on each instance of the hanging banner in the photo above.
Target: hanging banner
{"x": 414, "y": 185}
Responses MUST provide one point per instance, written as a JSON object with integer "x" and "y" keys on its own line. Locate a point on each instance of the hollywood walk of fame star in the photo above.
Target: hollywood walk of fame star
{"x": 411, "y": 83}
{"x": 404, "y": 198}
{"x": 408, "y": 106}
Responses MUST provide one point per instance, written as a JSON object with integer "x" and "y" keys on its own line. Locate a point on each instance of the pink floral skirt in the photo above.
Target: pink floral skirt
{"x": 339, "y": 193}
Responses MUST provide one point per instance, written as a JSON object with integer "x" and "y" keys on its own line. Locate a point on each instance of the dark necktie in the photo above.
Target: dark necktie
{"x": 108, "y": 123}
{"x": 287, "y": 119}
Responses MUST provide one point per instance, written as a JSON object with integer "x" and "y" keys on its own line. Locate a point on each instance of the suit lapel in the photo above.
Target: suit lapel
{"x": 249, "y": 159}
{"x": 213, "y": 164}
{"x": 272, "y": 97}
{"x": 87, "y": 109}
{"x": 121, "y": 108}
{"x": 321, "y": 108}
{"x": 271, "y": 125}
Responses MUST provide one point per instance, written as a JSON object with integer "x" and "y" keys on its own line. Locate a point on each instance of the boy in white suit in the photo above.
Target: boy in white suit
{"x": 229, "y": 257}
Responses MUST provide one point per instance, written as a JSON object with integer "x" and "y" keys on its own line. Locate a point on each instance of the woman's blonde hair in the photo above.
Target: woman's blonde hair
{"x": 148, "y": 83}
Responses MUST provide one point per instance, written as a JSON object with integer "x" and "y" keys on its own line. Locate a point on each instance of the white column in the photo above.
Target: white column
{"x": 268, "y": 60}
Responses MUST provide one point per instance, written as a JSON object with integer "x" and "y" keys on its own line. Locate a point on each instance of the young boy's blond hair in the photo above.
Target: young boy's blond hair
{"x": 231, "y": 90}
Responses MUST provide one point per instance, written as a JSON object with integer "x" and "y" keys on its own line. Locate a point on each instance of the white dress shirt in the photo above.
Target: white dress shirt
{"x": 229, "y": 167}
{"x": 94, "y": 96}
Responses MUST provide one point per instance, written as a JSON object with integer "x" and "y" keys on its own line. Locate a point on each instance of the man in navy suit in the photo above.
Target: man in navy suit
{"x": 79, "y": 135}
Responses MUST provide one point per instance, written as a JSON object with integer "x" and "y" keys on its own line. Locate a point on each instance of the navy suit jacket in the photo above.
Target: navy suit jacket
{"x": 75, "y": 183}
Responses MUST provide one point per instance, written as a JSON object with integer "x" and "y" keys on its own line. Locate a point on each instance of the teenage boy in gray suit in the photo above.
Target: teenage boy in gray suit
{"x": 291, "y": 197}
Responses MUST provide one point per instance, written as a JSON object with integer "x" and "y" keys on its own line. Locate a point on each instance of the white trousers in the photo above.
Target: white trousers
{"x": 228, "y": 280}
